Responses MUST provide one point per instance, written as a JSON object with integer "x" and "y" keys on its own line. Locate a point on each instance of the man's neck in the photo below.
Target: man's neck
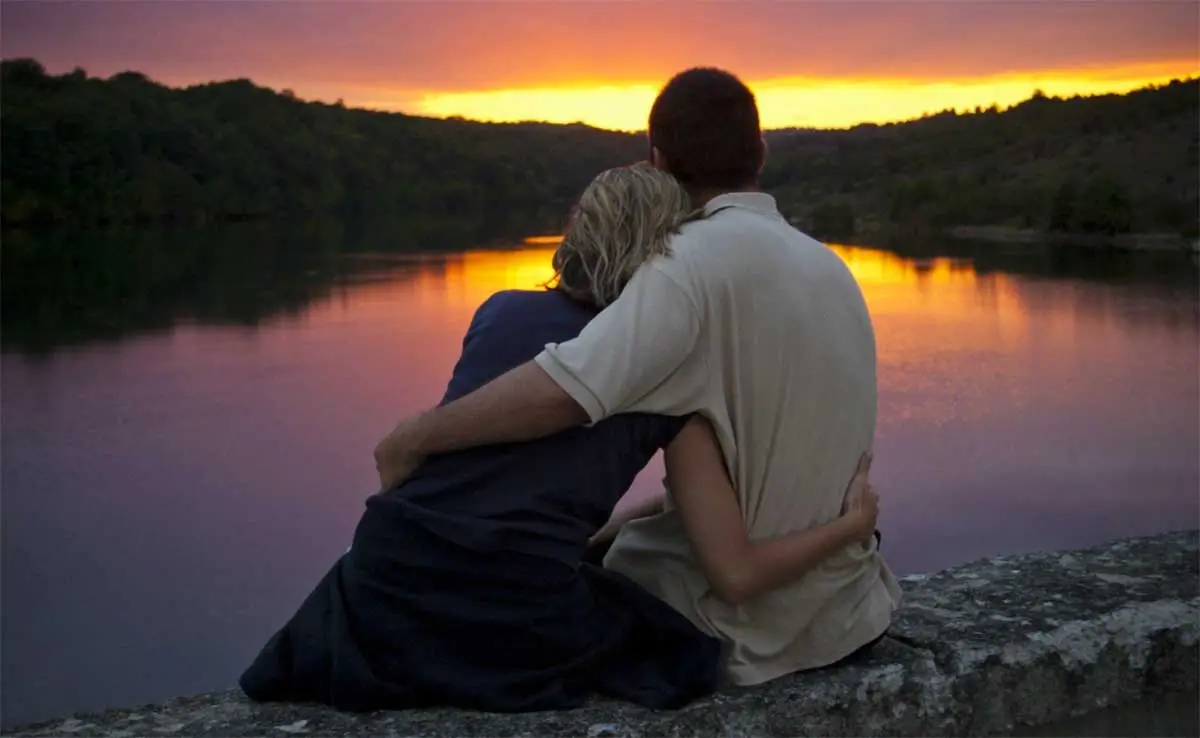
{"x": 700, "y": 197}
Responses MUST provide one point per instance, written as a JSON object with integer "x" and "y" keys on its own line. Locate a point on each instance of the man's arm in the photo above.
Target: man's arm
{"x": 519, "y": 405}
{"x": 624, "y": 353}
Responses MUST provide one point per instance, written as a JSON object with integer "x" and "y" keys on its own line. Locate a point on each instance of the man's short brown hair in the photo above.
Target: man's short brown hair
{"x": 705, "y": 125}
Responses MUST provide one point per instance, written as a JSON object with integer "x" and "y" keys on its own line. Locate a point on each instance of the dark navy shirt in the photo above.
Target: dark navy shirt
{"x": 543, "y": 497}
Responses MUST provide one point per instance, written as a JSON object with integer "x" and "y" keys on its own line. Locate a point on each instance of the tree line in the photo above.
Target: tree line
{"x": 80, "y": 151}
{"x": 84, "y": 150}
{"x": 1099, "y": 165}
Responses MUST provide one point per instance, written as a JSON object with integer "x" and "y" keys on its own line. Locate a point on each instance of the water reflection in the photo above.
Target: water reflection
{"x": 69, "y": 288}
{"x": 65, "y": 289}
{"x": 171, "y": 490}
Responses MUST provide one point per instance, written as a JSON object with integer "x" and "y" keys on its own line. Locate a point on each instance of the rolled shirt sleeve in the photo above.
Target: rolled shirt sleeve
{"x": 632, "y": 348}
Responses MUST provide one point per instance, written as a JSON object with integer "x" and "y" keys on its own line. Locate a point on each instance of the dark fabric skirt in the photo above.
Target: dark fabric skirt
{"x": 408, "y": 619}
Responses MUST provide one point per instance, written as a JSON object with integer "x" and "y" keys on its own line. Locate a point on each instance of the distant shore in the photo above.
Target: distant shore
{"x": 874, "y": 232}
{"x": 1124, "y": 241}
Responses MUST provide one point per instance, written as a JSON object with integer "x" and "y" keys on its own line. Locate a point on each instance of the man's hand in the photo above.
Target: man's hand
{"x": 394, "y": 455}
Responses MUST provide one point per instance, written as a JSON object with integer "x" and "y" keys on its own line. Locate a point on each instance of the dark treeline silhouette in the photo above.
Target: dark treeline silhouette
{"x": 80, "y": 150}
{"x": 65, "y": 287}
{"x": 83, "y": 150}
{"x": 1106, "y": 164}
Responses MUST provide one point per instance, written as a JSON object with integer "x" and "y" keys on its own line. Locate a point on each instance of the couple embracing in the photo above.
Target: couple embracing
{"x": 686, "y": 316}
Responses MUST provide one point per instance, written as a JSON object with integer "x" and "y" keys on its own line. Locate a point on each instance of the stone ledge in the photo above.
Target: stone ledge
{"x": 977, "y": 650}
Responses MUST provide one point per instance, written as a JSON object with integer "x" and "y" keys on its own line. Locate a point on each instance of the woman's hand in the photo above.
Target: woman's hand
{"x": 652, "y": 505}
{"x": 861, "y": 506}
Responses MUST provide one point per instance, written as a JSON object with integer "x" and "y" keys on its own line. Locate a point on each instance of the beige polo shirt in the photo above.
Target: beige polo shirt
{"x": 764, "y": 331}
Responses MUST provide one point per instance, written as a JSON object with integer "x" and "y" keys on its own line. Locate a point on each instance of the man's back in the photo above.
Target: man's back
{"x": 784, "y": 367}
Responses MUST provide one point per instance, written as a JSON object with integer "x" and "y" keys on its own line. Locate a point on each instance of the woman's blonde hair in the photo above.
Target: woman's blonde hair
{"x": 624, "y": 218}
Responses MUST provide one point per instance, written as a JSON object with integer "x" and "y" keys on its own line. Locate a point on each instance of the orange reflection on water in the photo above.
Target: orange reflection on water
{"x": 474, "y": 275}
{"x": 447, "y": 286}
{"x": 950, "y": 288}
{"x": 549, "y": 240}
{"x": 946, "y": 335}
{"x": 900, "y": 292}
{"x": 953, "y": 344}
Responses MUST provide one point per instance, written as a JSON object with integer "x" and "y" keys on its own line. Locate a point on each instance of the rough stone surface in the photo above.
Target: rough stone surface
{"x": 977, "y": 650}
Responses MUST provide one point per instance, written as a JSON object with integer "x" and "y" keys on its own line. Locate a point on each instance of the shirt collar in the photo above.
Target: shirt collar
{"x": 758, "y": 201}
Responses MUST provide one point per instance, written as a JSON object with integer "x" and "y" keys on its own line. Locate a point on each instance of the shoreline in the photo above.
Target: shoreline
{"x": 1143, "y": 242}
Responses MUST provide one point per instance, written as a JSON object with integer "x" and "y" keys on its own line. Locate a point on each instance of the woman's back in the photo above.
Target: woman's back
{"x": 544, "y": 497}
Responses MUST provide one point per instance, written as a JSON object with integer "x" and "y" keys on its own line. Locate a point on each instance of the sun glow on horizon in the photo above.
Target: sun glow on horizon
{"x": 784, "y": 102}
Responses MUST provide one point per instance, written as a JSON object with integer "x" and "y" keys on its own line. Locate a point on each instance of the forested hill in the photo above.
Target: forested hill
{"x": 78, "y": 150}
{"x": 1111, "y": 163}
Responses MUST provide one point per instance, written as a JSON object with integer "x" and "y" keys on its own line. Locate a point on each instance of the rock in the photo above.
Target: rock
{"x": 977, "y": 650}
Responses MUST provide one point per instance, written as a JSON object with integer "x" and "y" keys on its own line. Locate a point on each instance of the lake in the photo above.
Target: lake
{"x": 188, "y": 422}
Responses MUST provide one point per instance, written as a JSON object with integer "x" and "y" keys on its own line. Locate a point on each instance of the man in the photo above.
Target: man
{"x": 751, "y": 323}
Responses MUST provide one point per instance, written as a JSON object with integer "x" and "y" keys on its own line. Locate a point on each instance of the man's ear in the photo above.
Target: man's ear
{"x": 657, "y": 159}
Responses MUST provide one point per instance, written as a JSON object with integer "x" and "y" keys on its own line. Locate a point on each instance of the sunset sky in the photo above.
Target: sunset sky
{"x": 821, "y": 64}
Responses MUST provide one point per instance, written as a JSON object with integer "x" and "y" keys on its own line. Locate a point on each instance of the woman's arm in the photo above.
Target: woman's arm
{"x": 739, "y": 569}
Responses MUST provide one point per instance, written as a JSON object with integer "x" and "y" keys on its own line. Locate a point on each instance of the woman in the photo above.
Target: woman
{"x": 464, "y": 585}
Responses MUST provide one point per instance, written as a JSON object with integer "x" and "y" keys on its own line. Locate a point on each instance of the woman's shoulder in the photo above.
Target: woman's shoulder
{"x": 532, "y": 307}
{"x": 510, "y": 328}
{"x": 528, "y": 299}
